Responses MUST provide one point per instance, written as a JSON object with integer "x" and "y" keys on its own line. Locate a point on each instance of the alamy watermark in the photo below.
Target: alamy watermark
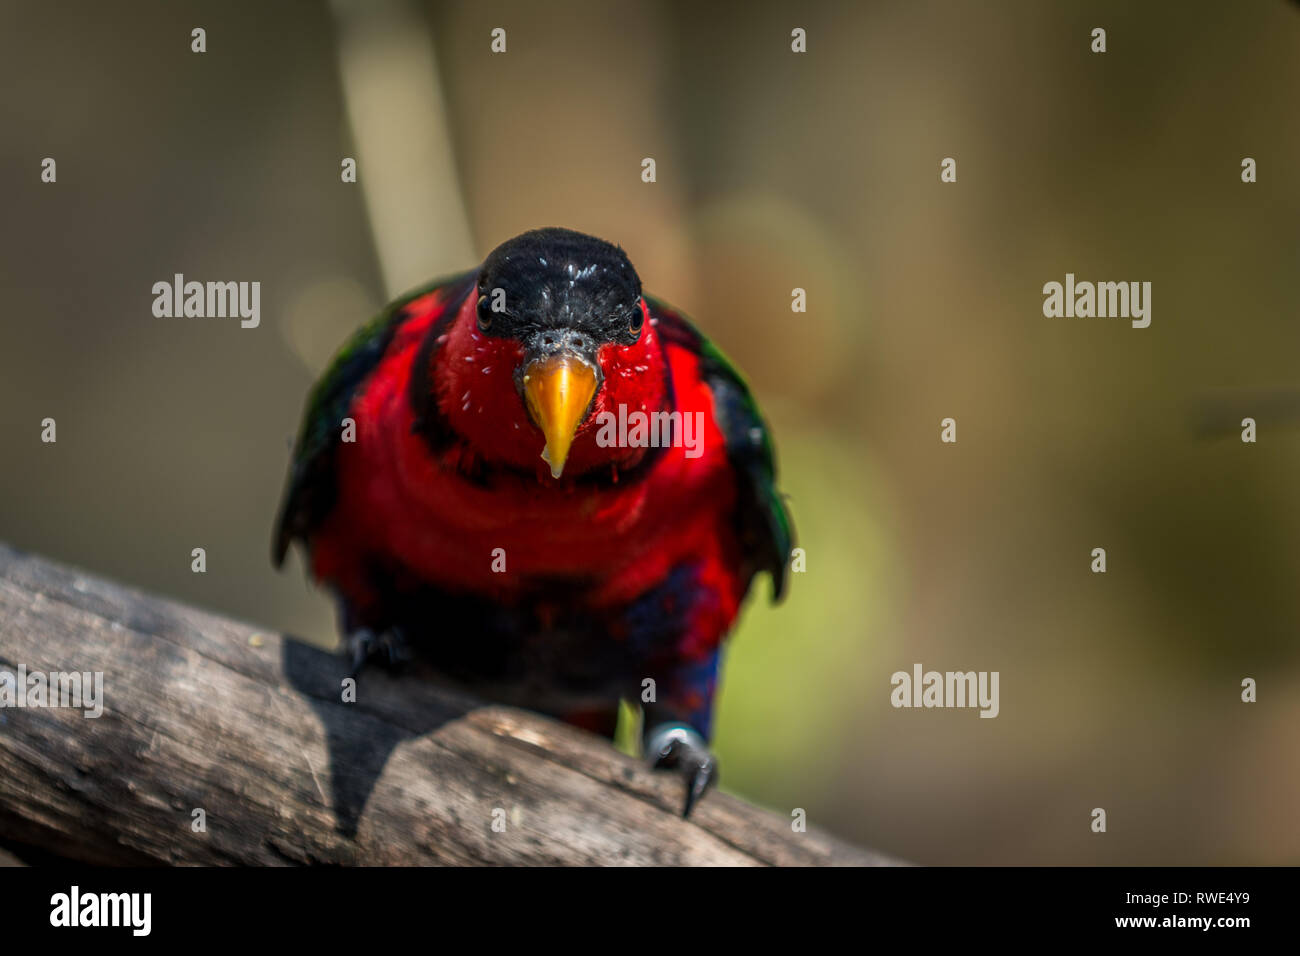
{"x": 651, "y": 430}
{"x": 75, "y": 908}
{"x": 83, "y": 690}
{"x": 1123, "y": 300}
{"x": 210, "y": 300}
{"x": 947, "y": 689}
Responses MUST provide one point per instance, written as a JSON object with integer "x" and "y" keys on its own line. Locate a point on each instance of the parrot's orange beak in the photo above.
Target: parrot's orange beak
{"x": 558, "y": 390}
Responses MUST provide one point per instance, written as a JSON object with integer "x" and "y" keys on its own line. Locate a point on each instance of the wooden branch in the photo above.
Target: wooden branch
{"x": 203, "y": 713}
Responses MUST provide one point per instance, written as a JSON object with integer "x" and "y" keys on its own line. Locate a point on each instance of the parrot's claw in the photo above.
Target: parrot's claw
{"x": 388, "y": 647}
{"x": 678, "y": 747}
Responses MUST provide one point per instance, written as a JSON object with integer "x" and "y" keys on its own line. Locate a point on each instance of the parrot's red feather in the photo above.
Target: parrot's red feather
{"x": 420, "y": 507}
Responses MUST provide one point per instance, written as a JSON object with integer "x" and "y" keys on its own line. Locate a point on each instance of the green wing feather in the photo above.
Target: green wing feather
{"x": 310, "y": 492}
{"x": 763, "y": 521}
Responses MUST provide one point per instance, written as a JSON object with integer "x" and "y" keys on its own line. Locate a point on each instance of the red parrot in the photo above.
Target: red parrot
{"x": 489, "y": 512}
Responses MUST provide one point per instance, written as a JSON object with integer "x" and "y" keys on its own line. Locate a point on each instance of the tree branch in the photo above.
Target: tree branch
{"x": 204, "y": 713}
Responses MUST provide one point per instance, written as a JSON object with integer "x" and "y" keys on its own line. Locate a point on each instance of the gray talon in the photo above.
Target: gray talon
{"x": 389, "y": 646}
{"x": 681, "y": 748}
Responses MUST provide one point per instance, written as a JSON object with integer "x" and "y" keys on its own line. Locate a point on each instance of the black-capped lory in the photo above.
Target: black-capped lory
{"x": 547, "y": 484}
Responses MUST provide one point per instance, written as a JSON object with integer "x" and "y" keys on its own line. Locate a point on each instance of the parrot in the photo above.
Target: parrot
{"x": 454, "y": 488}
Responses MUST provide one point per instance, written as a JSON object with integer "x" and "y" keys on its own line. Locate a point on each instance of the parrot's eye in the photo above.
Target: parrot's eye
{"x": 635, "y": 320}
{"x": 484, "y": 314}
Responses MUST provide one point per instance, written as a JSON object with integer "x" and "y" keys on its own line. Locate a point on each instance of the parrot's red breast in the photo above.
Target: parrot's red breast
{"x": 398, "y": 498}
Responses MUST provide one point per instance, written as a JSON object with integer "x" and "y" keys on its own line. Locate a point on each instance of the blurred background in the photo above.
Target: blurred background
{"x": 775, "y": 170}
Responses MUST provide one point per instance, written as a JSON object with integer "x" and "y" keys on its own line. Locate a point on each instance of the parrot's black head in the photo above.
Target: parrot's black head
{"x": 575, "y": 289}
{"x": 561, "y": 297}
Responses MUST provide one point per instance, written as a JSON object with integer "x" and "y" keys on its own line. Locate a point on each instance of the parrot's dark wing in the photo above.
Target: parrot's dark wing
{"x": 762, "y": 519}
{"x": 310, "y": 493}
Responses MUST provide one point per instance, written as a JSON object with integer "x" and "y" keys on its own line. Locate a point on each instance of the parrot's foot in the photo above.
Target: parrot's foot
{"x": 388, "y": 648}
{"x": 679, "y": 747}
